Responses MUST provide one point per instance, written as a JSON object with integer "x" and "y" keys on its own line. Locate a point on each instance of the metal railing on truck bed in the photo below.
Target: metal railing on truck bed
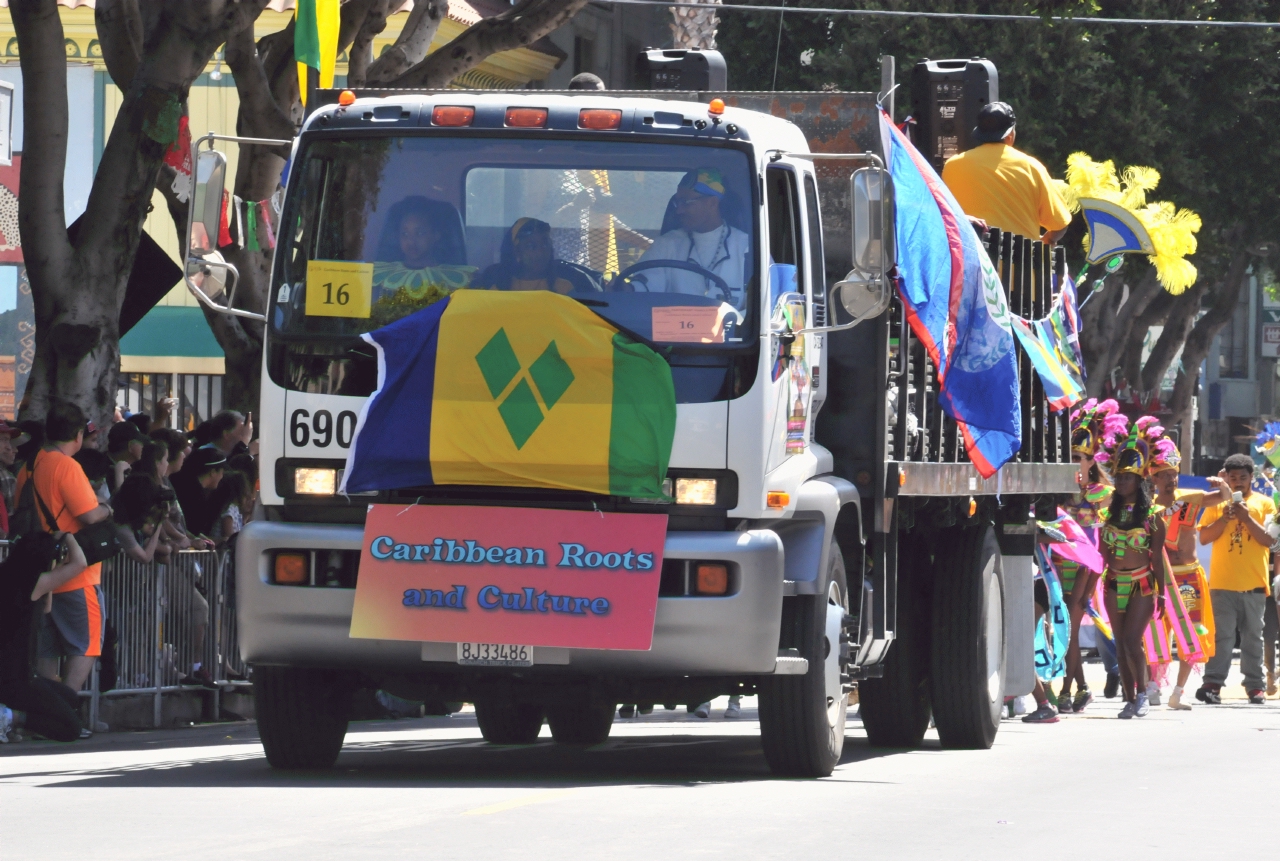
{"x": 919, "y": 431}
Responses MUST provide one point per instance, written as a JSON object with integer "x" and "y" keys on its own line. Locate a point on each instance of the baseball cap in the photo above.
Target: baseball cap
{"x": 704, "y": 180}
{"x": 994, "y": 122}
{"x": 18, "y": 435}
{"x": 204, "y": 460}
{"x": 123, "y": 433}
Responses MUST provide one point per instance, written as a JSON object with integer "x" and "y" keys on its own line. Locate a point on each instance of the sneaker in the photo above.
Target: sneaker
{"x": 1257, "y": 698}
{"x": 1206, "y": 694}
{"x": 734, "y": 711}
{"x": 1176, "y": 703}
{"x": 1082, "y": 700}
{"x": 6, "y": 724}
{"x": 1064, "y": 703}
{"x": 1045, "y": 714}
{"x": 1142, "y": 708}
{"x": 646, "y": 709}
{"x": 199, "y": 678}
{"x": 627, "y": 711}
{"x": 1153, "y": 693}
{"x": 1112, "y": 687}
{"x": 1128, "y": 711}
{"x": 86, "y": 733}
{"x": 703, "y": 711}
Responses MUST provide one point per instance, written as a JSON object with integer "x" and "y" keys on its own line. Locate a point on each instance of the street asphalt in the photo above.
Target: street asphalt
{"x": 1180, "y": 784}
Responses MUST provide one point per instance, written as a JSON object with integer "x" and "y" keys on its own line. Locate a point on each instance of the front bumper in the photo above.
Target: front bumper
{"x": 308, "y": 626}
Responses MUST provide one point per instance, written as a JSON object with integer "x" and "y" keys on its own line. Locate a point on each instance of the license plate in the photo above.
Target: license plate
{"x": 494, "y": 655}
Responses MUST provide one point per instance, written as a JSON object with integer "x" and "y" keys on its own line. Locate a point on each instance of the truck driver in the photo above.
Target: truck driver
{"x": 703, "y": 238}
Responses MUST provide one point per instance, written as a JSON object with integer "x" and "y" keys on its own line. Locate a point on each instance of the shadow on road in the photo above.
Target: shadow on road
{"x": 228, "y": 756}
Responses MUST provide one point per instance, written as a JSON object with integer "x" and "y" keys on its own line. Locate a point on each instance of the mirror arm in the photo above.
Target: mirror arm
{"x": 831, "y": 296}
{"x": 204, "y": 300}
{"x": 776, "y": 154}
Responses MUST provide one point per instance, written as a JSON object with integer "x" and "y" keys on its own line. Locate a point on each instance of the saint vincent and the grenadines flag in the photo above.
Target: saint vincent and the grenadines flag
{"x": 315, "y": 41}
{"x": 514, "y": 390}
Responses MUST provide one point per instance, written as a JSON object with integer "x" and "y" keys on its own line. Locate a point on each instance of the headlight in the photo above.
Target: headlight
{"x": 695, "y": 491}
{"x": 315, "y": 481}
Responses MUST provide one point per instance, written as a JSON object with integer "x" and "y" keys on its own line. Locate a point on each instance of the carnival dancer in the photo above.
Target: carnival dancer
{"x": 1093, "y": 427}
{"x": 1133, "y": 549}
{"x": 1191, "y": 620}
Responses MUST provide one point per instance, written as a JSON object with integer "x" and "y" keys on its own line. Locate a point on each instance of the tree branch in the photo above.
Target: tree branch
{"x": 516, "y": 27}
{"x": 1153, "y": 315}
{"x": 119, "y": 25}
{"x": 260, "y": 114}
{"x": 372, "y": 21}
{"x": 411, "y": 46}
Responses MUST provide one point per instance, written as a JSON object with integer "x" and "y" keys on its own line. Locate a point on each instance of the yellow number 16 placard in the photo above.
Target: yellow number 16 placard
{"x": 338, "y": 288}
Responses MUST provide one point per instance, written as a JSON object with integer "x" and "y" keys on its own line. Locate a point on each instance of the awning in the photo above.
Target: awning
{"x": 171, "y": 339}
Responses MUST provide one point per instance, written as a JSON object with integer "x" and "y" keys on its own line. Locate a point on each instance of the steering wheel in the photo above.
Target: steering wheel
{"x": 623, "y": 282}
{"x": 591, "y": 275}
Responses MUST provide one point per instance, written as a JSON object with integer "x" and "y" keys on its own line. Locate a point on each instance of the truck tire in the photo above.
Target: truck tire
{"x": 505, "y": 722}
{"x": 580, "y": 720}
{"x": 802, "y": 718}
{"x": 895, "y": 707}
{"x": 302, "y": 715}
{"x": 967, "y": 673}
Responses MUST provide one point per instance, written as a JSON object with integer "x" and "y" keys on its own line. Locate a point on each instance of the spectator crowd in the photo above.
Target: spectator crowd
{"x": 70, "y": 501}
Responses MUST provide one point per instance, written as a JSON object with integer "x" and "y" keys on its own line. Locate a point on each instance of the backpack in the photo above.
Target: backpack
{"x": 25, "y": 520}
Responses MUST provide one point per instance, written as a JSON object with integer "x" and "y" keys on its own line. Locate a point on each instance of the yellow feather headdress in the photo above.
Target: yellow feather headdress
{"x": 1172, "y": 230}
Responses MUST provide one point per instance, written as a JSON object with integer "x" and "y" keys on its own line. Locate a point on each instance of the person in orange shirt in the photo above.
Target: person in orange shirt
{"x": 73, "y": 627}
{"x": 1003, "y": 186}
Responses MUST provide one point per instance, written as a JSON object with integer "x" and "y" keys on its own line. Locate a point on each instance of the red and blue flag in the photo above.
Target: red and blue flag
{"x": 956, "y": 306}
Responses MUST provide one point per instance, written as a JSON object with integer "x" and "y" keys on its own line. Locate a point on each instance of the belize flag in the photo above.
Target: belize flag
{"x": 955, "y": 305}
{"x": 522, "y": 389}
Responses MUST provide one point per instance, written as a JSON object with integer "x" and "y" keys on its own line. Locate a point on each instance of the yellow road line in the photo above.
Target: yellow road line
{"x": 523, "y": 801}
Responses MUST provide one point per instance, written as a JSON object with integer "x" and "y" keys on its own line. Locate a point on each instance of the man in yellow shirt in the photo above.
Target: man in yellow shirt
{"x": 1003, "y": 186}
{"x": 1238, "y": 580}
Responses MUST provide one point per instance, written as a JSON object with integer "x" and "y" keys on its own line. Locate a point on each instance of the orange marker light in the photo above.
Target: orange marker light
{"x": 777, "y": 499}
{"x": 346, "y": 98}
{"x": 713, "y": 579}
{"x": 973, "y": 506}
{"x": 527, "y": 118}
{"x": 452, "y": 115}
{"x": 716, "y": 108}
{"x": 599, "y": 120}
{"x": 291, "y": 569}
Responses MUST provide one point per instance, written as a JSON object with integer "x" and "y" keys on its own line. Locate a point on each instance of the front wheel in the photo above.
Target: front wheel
{"x": 302, "y": 715}
{"x": 967, "y": 674}
{"x": 802, "y": 718}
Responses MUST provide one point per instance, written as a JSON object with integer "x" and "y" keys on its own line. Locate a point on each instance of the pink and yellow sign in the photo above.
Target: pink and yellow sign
{"x": 518, "y": 576}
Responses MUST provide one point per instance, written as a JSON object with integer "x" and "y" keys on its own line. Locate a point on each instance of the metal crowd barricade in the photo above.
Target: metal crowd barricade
{"x": 166, "y": 618}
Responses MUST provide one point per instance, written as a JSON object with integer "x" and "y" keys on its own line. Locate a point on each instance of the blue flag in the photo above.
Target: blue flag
{"x": 956, "y": 306}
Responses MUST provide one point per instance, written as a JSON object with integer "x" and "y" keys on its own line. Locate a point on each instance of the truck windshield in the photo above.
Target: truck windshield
{"x": 657, "y": 238}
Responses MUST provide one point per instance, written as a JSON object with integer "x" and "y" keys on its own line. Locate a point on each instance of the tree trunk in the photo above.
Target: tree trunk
{"x": 695, "y": 28}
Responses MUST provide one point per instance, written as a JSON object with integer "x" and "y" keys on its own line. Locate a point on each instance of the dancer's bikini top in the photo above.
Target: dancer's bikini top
{"x": 1136, "y": 539}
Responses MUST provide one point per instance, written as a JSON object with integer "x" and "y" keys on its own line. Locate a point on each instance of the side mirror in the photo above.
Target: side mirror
{"x": 206, "y": 202}
{"x": 862, "y": 297}
{"x": 874, "y": 250}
